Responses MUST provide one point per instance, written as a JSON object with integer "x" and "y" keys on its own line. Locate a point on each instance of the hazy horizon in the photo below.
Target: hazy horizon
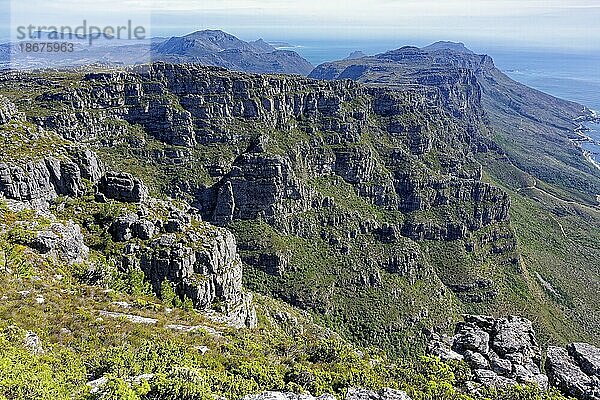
{"x": 480, "y": 24}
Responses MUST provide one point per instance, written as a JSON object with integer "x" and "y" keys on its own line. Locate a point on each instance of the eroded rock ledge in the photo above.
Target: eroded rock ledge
{"x": 575, "y": 370}
{"x": 503, "y": 352}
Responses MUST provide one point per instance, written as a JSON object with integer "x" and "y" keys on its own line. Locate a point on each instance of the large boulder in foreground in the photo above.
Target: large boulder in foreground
{"x": 575, "y": 370}
{"x": 501, "y": 352}
{"x": 504, "y": 352}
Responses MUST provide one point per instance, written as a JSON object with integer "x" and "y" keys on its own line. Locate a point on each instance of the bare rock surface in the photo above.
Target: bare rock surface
{"x": 501, "y": 352}
{"x": 574, "y": 370}
{"x": 123, "y": 187}
{"x": 351, "y": 394}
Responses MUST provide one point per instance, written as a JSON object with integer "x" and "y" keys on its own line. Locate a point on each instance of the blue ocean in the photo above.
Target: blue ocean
{"x": 569, "y": 75}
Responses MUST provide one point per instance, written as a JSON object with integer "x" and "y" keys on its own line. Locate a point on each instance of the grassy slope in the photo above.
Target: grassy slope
{"x": 285, "y": 352}
{"x": 329, "y": 282}
{"x": 558, "y": 241}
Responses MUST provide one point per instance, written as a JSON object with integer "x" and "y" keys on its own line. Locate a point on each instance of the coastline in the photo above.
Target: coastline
{"x": 583, "y": 138}
{"x": 589, "y": 157}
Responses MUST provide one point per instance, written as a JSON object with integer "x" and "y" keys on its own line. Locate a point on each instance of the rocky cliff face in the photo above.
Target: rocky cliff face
{"x": 456, "y": 86}
{"x": 215, "y": 104}
{"x": 199, "y": 260}
{"x": 310, "y": 176}
{"x": 37, "y": 166}
{"x": 42, "y": 180}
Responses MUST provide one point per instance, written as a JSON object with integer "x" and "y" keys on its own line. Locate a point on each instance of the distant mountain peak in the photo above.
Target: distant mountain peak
{"x": 216, "y": 40}
{"x": 209, "y": 33}
{"x": 356, "y": 55}
{"x": 458, "y": 47}
{"x": 265, "y": 47}
{"x": 218, "y": 48}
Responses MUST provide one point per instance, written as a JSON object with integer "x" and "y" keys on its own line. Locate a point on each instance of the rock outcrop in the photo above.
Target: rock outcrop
{"x": 383, "y": 394}
{"x": 258, "y": 185}
{"x": 40, "y": 180}
{"x": 63, "y": 241}
{"x": 37, "y": 166}
{"x": 123, "y": 187}
{"x": 8, "y": 110}
{"x": 45, "y": 179}
{"x": 500, "y": 352}
{"x": 47, "y": 235}
{"x": 287, "y": 396}
{"x": 575, "y": 370}
{"x": 33, "y": 343}
{"x": 200, "y": 261}
{"x": 504, "y": 352}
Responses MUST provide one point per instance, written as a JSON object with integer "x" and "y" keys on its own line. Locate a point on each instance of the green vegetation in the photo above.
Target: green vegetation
{"x": 345, "y": 261}
{"x": 141, "y": 362}
{"x": 557, "y": 239}
{"x": 22, "y": 142}
{"x": 78, "y": 343}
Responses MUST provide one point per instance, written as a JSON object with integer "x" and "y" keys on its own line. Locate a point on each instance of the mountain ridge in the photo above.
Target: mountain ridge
{"x": 208, "y": 47}
{"x": 214, "y": 47}
{"x": 410, "y": 65}
{"x": 382, "y": 209}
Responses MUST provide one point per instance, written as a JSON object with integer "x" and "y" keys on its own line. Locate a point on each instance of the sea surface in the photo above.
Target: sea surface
{"x": 571, "y": 75}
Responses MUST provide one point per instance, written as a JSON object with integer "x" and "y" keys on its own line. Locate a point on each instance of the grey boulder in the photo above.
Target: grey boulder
{"x": 565, "y": 372}
{"x": 123, "y": 187}
{"x": 383, "y": 394}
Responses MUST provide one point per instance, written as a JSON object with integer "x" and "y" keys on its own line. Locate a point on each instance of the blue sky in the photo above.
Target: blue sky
{"x": 566, "y": 24}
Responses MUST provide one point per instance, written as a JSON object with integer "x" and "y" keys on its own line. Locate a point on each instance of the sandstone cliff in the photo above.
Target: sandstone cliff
{"x": 319, "y": 181}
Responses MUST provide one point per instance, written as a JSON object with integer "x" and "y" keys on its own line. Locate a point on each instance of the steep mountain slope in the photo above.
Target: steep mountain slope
{"x": 224, "y": 50}
{"x": 109, "y": 293}
{"x": 533, "y": 128}
{"x": 553, "y": 187}
{"x": 364, "y": 205}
